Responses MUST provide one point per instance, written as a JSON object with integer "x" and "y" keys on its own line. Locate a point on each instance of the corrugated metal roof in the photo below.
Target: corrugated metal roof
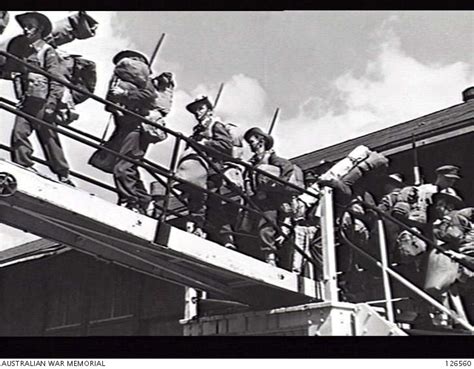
{"x": 430, "y": 125}
{"x": 31, "y": 250}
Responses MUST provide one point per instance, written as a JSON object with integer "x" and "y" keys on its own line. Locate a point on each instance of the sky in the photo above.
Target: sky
{"x": 335, "y": 75}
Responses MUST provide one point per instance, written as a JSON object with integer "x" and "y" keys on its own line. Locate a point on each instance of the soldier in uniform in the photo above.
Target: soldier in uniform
{"x": 453, "y": 229}
{"x": 269, "y": 196}
{"x": 209, "y": 132}
{"x": 306, "y": 226}
{"x": 135, "y": 91}
{"x": 41, "y": 98}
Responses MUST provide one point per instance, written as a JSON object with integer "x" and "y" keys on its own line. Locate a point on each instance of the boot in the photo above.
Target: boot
{"x": 271, "y": 259}
{"x": 191, "y": 227}
{"x": 66, "y": 180}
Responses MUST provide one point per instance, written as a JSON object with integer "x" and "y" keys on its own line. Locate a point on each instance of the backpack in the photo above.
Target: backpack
{"x": 77, "y": 70}
{"x": 84, "y": 75}
{"x": 237, "y": 139}
{"x": 81, "y": 73}
{"x": 79, "y": 26}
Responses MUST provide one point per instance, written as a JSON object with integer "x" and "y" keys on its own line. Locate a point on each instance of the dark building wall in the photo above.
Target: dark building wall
{"x": 74, "y": 294}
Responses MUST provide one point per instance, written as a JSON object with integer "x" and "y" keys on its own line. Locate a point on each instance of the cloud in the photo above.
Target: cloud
{"x": 393, "y": 87}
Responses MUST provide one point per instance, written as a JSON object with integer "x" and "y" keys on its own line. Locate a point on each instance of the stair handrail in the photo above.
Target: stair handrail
{"x": 163, "y": 171}
{"x": 406, "y": 227}
{"x": 419, "y": 291}
{"x": 154, "y": 124}
{"x": 200, "y": 149}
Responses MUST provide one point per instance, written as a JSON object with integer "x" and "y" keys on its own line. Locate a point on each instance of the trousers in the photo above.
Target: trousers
{"x": 130, "y": 187}
{"x": 22, "y": 150}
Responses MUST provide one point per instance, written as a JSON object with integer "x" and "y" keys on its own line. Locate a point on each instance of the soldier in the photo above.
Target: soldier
{"x": 40, "y": 99}
{"x": 306, "y": 225}
{"x": 269, "y": 196}
{"x": 210, "y": 133}
{"x": 453, "y": 229}
{"x": 132, "y": 87}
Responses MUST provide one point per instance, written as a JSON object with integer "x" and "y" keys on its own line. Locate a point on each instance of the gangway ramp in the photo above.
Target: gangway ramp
{"x": 89, "y": 224}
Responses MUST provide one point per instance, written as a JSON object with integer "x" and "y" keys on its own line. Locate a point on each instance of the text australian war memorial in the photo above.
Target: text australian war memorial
{"x": 370, "y": 236}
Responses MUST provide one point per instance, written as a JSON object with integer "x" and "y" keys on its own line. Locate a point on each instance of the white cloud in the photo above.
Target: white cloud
{"x": 394, "y": 87}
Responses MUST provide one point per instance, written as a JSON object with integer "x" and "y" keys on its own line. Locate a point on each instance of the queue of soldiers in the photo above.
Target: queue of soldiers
{"x": 287, "y": 217}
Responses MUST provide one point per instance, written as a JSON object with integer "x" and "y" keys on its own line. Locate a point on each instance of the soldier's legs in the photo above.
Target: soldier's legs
{"x": 126, "y": 175}
{"x": 51, "y": 145}
{"x": 221, "y": 216}
{"x": 22, "y": 150}
{"x": 300, "y": 241}
{"x": 268, "y": 236}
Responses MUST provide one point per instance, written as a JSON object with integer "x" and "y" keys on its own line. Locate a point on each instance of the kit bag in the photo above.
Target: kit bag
{"x": 79, "y": 26}
{"x": 441, "y": 272}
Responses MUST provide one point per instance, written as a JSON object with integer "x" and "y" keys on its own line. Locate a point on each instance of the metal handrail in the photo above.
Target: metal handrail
{"x": 427, "y": 297}
{"x": 73, "y": 173}
{"x": 196, "y": 146}
{"x": 163, "y": 128}
{"x": 407, "y": 228}
{"x": 386, "y": 269}
{"x": 154, "y": 167}
{"x": 151, "y": 168}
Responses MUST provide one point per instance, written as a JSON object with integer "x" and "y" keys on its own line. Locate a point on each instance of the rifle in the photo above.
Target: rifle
{"x": 221, "y": 87}
{"x": 272, "y": 124}
{"x": 158, "y": 45}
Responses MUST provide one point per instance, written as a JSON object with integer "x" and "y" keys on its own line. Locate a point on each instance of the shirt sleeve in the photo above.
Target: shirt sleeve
{"x": 221, "y": 139}
{"x": 284, "y": 164}
{"x": 52, "y": 66}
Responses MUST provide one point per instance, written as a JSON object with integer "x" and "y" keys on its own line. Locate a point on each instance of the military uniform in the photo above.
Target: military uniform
{"x": 128, "y": 138}
{"x": 210, "y": 134}
{"x": 272, "y": 203}
{"x": 44, "y": 107}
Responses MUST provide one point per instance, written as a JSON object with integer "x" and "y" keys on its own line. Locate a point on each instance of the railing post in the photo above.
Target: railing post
{"x": 384, "y": 261}
{"x": 329, "y": 246}
{"x": 173, "y": 163}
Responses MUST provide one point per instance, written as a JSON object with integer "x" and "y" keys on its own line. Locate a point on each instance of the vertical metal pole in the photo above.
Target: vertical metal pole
{"x": 386, "y": 281}
{"x": 174, "y": 160}
{"x": 329, "y": 247}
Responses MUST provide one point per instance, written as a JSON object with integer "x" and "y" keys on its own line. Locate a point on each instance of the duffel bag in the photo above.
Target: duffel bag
{"x": 441, "y": 272}
{"x": 191, "y": 168}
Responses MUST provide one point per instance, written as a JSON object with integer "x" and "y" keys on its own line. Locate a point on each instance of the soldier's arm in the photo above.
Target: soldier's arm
{"x": 221, "y": 139}
{"x": 145, "y": 96}
{"x": 386, "y": 203}
{"x": 56, "y": 90}
{"x": 285, "y": 166}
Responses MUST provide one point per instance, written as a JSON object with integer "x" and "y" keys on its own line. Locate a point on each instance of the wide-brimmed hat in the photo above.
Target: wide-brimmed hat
{"x": 43, "y": 20}
{"x": 255, "y": 131}
{"x": 449, "y": 171}
{"x": 129, "y": 54}
{"x": 310, "y": 177}
{"x": 449, "y": 195}
{"x": 196, "y": 104}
